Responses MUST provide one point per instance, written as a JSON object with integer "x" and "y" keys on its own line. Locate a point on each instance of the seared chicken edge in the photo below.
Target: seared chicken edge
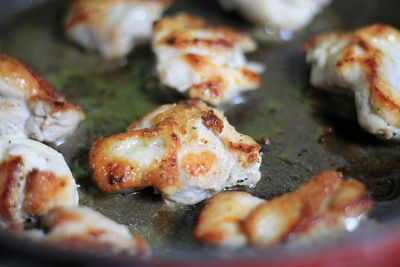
{"x": 324, "y": 206}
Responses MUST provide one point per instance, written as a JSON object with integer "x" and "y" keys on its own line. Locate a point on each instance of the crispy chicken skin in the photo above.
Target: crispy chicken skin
{"x": 39, "y": 111}
{"x": 277, "y": 14}
{"x": 84, "y": 228}
{"x": 187, "y": 151}
{"x": 325, "y": 205}
{"x": 112, "y": 27}
{"x": 364, "y": 63}
{"x": 204, "y": 61}
{"x": 33, "y": 179}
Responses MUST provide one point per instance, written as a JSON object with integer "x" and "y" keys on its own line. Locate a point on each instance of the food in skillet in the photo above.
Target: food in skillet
{"x": 187, "y": 151}
{"x": 112, "y": 27}
{"x": 84, "y": 228}
{"x": 33, "y": 179}
{"x": 39, "y": 111}
{"x": 325, "y": 205}
{"x": 204, "y": 61}
{"x": 277, "y": 14}
{"x": 363, "y": 63}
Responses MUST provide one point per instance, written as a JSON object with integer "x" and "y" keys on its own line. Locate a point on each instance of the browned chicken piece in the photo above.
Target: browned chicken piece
{"x": 220, "y": 221}
{"x": 187, "y": 151}
{"x": 39, "y": 111}
{"x": 204, "y": 61}
{"x": 112, "y": 27}
{"x": 86, "y": 229}
{"x": 33, "y": 179}
{"x": 363, "y": 63}
{"x": 325, "y": 205}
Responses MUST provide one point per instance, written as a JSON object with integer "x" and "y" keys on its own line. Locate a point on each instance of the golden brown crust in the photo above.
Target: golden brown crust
{"x": 40, "y": 189}
{"x": 113, "y": 174}
{"x": 33, "y": 86}
{"x": 251, "y": 151}
{"x": 221, "y": 218}
{"x": 11, "y": 178}
{"x": 199, "y": 164}
{"x": 18, "y": 75}
{"x": 251, "y": 76}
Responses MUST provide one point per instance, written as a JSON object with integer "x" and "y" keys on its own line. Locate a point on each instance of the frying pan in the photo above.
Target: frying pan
{"x": 310, "y": 132}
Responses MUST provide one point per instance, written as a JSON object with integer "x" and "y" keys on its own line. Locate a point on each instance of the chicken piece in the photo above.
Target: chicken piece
{"x": 325, "y": 205}
{"x": 112, "y": 27}
{"x": 33, "y": 179}
{"x": 277, "y": 14}
{"x": 84, "y": 228}
{"x": 219, "y": 222}
{"x": 365, "y": 63}
{"x": 39, "y": 111}
{"x": 204, "y": 61}
{"x": 187, "y": 151}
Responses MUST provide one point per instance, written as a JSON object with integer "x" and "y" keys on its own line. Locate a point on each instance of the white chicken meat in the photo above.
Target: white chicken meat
{"x": 31, "y": 107}
{"x": 203, "y": 61}
{"x": 33, "y": 179}
{"x": 363, "y": 63}
{"x": 112, "y": 27}
{"x": 187, "y": 151}
{"x": 277, "y": 14}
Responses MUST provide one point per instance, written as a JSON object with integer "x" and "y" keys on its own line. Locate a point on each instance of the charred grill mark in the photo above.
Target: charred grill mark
{"x": 48, "y": 89}
{"x": 212, "y": 121}
{"x": 345, "y": 61}
{"x": 251, "y": 76}
{"x": 364, "y": 45}
{"x": 175, "y": 138}
{"x": 242, "y": 147}
{"x": 196, "y": 61}
{"x": 184, "y": 42}
{"x": 214, "y": 87}
{"x": 146, "y": 132}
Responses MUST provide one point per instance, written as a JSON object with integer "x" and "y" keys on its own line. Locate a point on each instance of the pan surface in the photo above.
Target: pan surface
{"x": 308, "y": 134}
